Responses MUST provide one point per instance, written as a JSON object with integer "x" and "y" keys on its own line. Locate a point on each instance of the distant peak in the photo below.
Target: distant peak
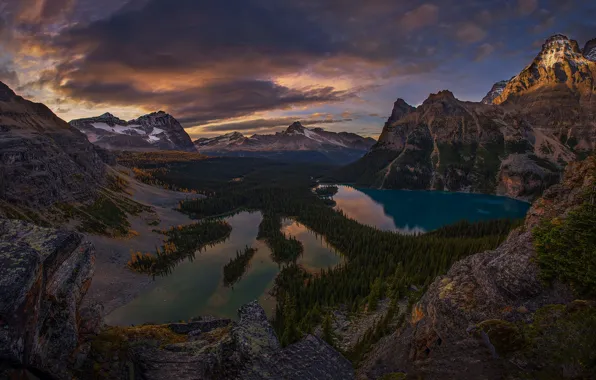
{"x": 296, "y": 127}
{"x": 107, "y": 115}
{"x": 495, "y": 91}
{"x": 560, "y": 41}
{"x": 400, "y": 109}
{"x": 590, "y": 50}
{"x": 401, "y": 102}
{"x": 444, "y": 95}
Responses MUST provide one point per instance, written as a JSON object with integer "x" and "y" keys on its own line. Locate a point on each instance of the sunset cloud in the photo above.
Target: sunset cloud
{"x": 208, "y": 65}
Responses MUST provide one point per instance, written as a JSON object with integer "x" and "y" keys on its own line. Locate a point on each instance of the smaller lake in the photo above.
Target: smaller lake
{"x": 422, "y": 211}
{"x": 196, "y": 287}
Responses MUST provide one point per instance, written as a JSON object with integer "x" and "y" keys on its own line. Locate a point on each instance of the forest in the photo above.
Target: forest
{"x": 378, "y": 265}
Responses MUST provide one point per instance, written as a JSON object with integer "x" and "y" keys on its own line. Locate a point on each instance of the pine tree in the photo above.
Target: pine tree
{"x": 328, "y": 334}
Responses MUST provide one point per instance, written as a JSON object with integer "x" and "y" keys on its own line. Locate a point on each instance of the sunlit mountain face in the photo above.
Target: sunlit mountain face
{"x": 255, "y": 66}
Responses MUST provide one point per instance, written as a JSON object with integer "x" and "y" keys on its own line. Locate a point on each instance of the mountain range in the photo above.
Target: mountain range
{"x": 296, "y": 143}
{"x": 157, "y": 130}
{"x": 515, "y": 142}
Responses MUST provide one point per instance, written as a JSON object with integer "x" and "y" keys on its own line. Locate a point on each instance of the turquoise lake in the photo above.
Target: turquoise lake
{"x": 196, "y": 287}
{"x": 422, "y": 211}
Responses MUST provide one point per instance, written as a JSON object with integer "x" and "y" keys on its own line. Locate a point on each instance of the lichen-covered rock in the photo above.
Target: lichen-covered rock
{"x": 245, "y": 349}
{"x": 44, "y": 275}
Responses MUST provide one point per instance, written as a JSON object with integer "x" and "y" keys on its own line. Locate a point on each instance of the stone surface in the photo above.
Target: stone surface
{"x": 245, "y": 349}
{"x": 44, "y": 275}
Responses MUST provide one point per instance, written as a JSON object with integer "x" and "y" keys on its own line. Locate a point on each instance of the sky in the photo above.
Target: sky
{"x": 255, "y": 66}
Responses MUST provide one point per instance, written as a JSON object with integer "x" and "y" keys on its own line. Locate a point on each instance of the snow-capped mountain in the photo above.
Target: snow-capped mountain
{"x": 295, "y": 143}
{"x": 560, "y": 63}
{"x": 590, "y": 50}
{"x": 495, "y": 92}
{"x": 157, "y": 130}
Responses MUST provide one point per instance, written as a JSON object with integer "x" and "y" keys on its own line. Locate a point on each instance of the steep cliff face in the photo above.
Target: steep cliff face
{"x": 43, "y": 160}
{"x": 157, "y": 130}
{"x": 493, "y": 316}
{"x": 44, "y": 275}
{"x": 544, "y": 118}
{"x": 447, "y": 144}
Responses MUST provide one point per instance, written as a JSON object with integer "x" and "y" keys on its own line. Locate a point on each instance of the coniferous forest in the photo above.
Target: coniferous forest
{"x": 379, "y": 264}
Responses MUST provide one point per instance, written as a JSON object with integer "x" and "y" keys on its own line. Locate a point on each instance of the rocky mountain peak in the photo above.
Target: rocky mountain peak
{"x": 557, "y": 48}
{"x": 400, "y": 109}
{"x": 6, "y": 93}
{"x": 560, "y": 62}
{"x": 157, "y": 130}
{"x": 590, "y": 50}
{"x": 234, "y": 135}
{"x": 296, "y": 127}
{"x": 495, "y": 91}
{"x": 441, "y": 96}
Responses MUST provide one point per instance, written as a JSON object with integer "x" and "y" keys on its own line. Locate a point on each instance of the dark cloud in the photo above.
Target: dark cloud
{"x": 206, "y": 60}
{"x": 263, "y": 124}
{"x": 215, "y": 101}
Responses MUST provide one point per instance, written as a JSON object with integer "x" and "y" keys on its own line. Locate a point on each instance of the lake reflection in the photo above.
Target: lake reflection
{"x": 317, "y": 252}
{"x": 197, "y": 288}
{"x": 421, "y": 211}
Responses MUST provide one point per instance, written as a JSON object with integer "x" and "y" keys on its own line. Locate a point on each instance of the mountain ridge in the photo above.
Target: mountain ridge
{"x": 516, "y": 146}
{"x": 296, "y": 142}
{"x": 156, "y": 130}
{"x": 44, "y": 160}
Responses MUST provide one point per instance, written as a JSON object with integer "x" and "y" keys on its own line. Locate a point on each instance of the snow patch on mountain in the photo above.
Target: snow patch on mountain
{"x": 157, "y": 130}
{"x": 295, "y": 138}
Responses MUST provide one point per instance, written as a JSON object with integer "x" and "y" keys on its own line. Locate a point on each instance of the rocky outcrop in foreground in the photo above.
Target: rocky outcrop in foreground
{"x": 493, "y": 317}
{"x": 44, "y": 274}
{"x": 247, "y": 349}
{"x": 211, "y": 348}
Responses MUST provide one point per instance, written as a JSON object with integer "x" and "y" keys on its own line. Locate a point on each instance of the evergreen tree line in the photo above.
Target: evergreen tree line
{"x": 182, "y": 243}
{"x": 237, "y": 266}
{"x": 284, "y": 249}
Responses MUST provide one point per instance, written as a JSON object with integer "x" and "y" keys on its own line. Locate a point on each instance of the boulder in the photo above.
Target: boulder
{"x": 44, "y": 274}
